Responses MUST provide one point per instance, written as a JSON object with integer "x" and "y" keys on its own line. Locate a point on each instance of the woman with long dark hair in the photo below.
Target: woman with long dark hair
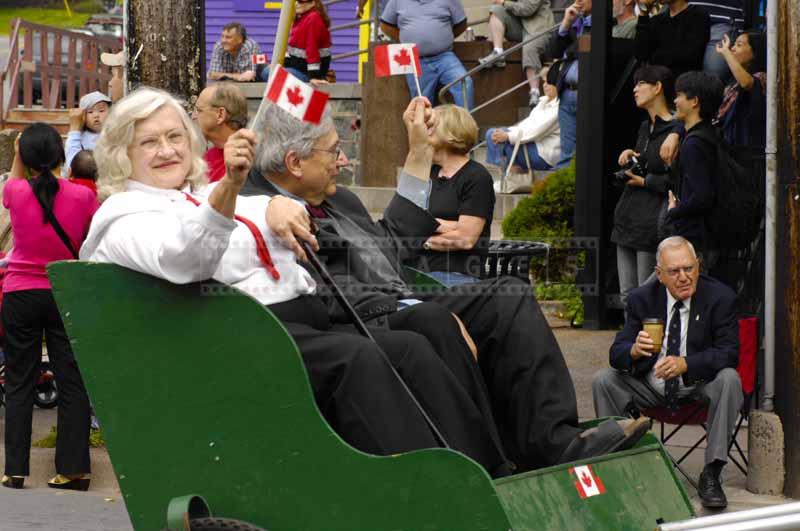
{"x": 50, "y": 217}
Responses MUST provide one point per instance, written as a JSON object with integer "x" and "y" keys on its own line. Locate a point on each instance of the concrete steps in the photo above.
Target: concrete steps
{"x": 376, "y": 199}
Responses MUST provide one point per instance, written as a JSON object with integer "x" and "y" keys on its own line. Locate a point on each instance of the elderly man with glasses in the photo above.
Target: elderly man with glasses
{"x": 220, "y": 111}
{"x": 697, "y": 355}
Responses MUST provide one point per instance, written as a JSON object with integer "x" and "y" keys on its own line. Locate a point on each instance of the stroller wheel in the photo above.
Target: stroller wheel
{"x": 46, "y": 392}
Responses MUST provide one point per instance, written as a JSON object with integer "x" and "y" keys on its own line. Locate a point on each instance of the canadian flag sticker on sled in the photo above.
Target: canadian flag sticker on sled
{"x": 587, "y": 484}
{"x": 396, "y": 59}
{"x": 297, "y": 98}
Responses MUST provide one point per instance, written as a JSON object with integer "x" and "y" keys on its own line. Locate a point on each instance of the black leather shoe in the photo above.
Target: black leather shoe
{"x": 710, "y": 490}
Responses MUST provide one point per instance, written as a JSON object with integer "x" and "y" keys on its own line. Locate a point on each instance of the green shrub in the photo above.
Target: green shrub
{"x": 547, "y": 215}
{"x": 548, "y": 212}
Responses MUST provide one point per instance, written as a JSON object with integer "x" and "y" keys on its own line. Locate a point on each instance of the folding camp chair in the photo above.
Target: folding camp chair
{"x": 695, "y": 411}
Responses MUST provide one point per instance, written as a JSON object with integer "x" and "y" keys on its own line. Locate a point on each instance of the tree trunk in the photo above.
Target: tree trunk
{"x": 172, "y": 38}
{"x": 787, "y": 310}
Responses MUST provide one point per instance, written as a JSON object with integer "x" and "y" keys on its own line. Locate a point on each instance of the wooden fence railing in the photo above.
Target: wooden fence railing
{"x": 52, "y": 67}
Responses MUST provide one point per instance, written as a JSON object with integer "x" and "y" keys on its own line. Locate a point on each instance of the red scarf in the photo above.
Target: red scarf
{"x": 261, "y": 245}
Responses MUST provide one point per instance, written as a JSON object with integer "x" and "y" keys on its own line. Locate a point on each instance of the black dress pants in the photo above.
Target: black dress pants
{"x": 360, "y": 396}
{"x": 26, "y": 316}
{"x": 438, "y": 326}
{"x": 530, "y": 387}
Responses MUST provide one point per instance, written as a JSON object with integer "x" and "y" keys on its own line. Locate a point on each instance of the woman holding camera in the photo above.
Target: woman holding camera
{"x": 645, "y": 178}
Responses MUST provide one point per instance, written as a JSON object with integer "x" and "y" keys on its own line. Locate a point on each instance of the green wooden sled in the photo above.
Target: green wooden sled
{"x": 200, "y": 390}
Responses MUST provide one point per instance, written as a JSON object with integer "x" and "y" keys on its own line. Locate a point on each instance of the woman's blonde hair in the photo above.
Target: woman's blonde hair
{"x": 111, "y": 152}
{"x": 456, "y": 128}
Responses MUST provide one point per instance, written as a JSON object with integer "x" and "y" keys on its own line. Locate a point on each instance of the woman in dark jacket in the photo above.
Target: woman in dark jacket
{"x": 646, "y": 180}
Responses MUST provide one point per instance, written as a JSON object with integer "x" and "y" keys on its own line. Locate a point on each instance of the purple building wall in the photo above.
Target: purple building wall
{"x": 261, "y": 25}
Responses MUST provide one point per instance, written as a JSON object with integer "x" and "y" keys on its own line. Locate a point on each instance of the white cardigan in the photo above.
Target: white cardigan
{"x": 161, "y": 233}
{"x": 541, "y": 127}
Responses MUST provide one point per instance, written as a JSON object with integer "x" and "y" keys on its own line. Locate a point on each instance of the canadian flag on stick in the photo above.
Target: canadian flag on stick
{"x": 260, "y": 58}
{"x": 587, "y": 483}
{"x": 396, "y": 59}
{"x": 292, "y": 95}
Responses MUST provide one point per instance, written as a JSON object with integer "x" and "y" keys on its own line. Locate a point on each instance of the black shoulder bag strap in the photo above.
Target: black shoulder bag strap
{"x": 56, "y": 225}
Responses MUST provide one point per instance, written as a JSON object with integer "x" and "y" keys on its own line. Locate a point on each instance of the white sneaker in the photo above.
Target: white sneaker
{"x": 494, "y": 59}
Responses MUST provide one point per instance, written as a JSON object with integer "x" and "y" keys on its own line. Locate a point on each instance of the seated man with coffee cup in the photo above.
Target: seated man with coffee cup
{"x": 695, "y": 354}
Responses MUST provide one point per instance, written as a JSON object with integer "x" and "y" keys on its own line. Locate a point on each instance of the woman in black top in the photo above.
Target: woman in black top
{"x": 462, "y": 200}
{"x": 646, "y": 183}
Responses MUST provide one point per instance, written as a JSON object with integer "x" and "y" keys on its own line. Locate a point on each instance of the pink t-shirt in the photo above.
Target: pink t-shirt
{"x": 37, "y": 244}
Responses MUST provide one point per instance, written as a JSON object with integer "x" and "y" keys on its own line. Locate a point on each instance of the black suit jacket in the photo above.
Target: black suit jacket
{"x": 399, "y": 233}
{"x": 713, "y": 334}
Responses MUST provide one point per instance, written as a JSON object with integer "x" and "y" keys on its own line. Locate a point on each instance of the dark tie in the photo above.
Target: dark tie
{"x": 673, "y": 349}
{"x": 316, "y": 212}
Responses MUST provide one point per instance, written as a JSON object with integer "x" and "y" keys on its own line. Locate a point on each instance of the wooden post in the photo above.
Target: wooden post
{"x": 787, "y": 304}
{"x": 172, "y": 38}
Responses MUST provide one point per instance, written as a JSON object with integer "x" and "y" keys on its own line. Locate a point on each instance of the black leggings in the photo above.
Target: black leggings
{"x": 26, "y": 316}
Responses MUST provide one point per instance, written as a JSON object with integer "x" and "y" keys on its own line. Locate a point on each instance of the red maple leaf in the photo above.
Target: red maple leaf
{"x": 587, "y": 480}
{"x": 402, "y": 58}
{"x": 294, "y": 96}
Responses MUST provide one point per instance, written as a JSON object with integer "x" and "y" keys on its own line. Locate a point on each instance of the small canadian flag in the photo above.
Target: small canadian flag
{"x": 396, "y": 59}
{"x": 588, "y": 484}
{"x": 259, "y": 58}
{"x": 297, "y": 98}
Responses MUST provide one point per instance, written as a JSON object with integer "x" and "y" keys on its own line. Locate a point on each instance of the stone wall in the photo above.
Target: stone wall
{"x": 345, "y": 113}
{"x": 7, "y": 137}
{"x": 345, "y": 102}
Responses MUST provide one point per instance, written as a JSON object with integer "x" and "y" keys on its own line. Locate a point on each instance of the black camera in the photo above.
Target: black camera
{"x": 635, "y": 166}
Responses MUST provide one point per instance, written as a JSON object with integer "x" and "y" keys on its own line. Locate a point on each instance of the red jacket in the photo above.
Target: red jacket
{"x": 310, "y": 40}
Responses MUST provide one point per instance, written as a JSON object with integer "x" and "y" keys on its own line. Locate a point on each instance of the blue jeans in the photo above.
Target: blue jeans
{"x": 263, "y": 75}
{"x": 714, "y": 63}
{"x": 568, "y": 122}
{"x": 500, "y": 154}
{"x": 439, "y": 70}
{"x": 634, "y": 268}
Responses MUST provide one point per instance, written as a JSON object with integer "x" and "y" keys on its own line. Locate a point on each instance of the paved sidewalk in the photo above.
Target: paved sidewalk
{"x": 586, "y": 352}
{"x": 102, "y": 509}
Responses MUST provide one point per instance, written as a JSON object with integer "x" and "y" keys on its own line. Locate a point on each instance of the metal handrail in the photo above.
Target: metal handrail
{"x": 331, "y": 2}
{"x": 348, "y": 25}
{"x": 489, "y": 64}
{"x": 478, "y": 22}
{"x": 499, "y": 96}
{"x": 345, "y": 55}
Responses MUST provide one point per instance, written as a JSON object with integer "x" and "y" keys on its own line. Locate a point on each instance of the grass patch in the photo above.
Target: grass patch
{"x": 49, "y": 441}
{"x": 39, "y": 15}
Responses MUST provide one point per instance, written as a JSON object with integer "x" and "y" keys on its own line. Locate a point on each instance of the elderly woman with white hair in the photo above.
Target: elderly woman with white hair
{"x": 158, "y": 219}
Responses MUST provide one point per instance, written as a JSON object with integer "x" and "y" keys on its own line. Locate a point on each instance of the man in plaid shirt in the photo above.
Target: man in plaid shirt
{"x": 232, "y": 57}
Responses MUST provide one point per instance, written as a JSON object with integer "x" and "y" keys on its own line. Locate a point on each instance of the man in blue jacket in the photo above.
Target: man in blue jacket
{"x": 698, "y": 354}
